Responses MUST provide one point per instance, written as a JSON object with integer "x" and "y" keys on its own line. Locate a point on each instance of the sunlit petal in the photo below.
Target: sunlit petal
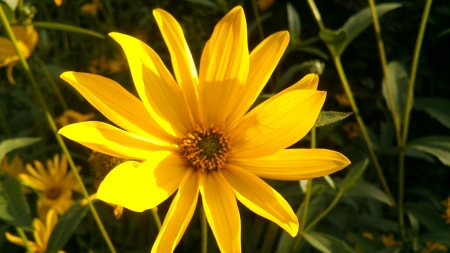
{"x": 141, "y": 186}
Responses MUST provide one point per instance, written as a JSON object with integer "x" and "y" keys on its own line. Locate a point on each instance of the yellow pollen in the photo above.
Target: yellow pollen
{"x": 206, "y": 148}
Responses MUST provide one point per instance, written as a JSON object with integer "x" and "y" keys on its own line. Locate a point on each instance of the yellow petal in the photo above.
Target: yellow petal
{"x": 158, "y": 90}
{"x": 112, "y": 141}
{"x": 263, "y": 60}
{"x": 38, "y": 231}
{"x": 7, "y": 52}
{"x": 28, "y": 36}
{"x": 14, "y": 239}
{"x": 294, "y": 164}
{"x": 221, "y": 211}
{"x": 262, "y": 199}
{"x": 280, "y": 123}
{"x": 117, "y": 104}
{"x": 139, "y": 187}
{"x": 223, "y": 67}
{"x": 50, "y": 223}
{"x": 179, "y": 214}
{"x": 182, "y": 62}
{"x": 32, "y": 182}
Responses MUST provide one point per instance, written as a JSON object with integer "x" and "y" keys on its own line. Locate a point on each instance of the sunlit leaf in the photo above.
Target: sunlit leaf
{"x": 12, "y": 3}
{"x": 398, "y": 87}
{"x": 326, "y": 118}
{"x": 67, "y": 28}
{"x": 66, "y": 226}
{"x": 294, "y": 24}
{"x": 438, "y": 146}
{"x": 15, "y": 143}
{"x": 9, "y": 13}
{"x": 13, "y": 205}
{"x": 327, "y": 243}
{"x": 438, "y": 108}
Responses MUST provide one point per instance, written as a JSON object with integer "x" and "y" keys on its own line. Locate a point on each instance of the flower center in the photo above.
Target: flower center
{"x": 53, "y": 192}
{"x": 206, "y": 148}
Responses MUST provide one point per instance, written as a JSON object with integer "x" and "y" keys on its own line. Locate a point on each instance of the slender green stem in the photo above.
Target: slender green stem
{"x": 316, "y": 13}
{"x": 409, "y": 99}
{"x": 258, "y": 20}
{"x": 204, "y": 226}
{"x": 362, "y": 126}
{"x": 413, "y": 73}
{"x": 324, "y": 213}
{"x": 24, "y": 239}
{"x": 53, "y": 127}
{"x": 376, "y": 26}
{"x": 52, "y": 82}
{"x": 5, "y": 125}
{"x": 156, "y": 218}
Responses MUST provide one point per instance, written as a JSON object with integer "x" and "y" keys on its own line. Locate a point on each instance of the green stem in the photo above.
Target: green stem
{"x": 258, "y": 20}
{"x": 376, "y": 26}
{"x": 362, "y": 126}
{"x": 409, "y": 99}
{"x": 156, "y": 218}
{"x": 5, "y": 125}
{"x": 316, "y": 14}
{"x": 52, "y": 82}
{"x": 324, "y": 213}
{"x": 204, "y": 226}
{"x": 24, "y": 239}
{"x": 53, "y": 127}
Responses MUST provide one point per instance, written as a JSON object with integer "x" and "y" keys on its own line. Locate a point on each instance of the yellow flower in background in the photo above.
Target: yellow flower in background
{"x": 263, "y": 5}
{"x": 55, "y": 183}
{"x": 71, "y": 116}
{"x": 27, "y": 39}
{"x": 58, "y": 2}
{"x": 13, "y": 168}
{"x": 193, "y": 132}
{"x": 91, "y": 8}
{"x": 41, "y": 233}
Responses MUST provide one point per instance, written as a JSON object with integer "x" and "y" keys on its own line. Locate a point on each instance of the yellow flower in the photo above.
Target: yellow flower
{"x": 41, "y": 233}
{"x": 71, "y": 116}
{"x": 56, "y": 184}
{"x": 389, "y": 240}
{"x": 27, "y": 39}
{"x": 193, "y": 132}
{"x": 13, "y": 168}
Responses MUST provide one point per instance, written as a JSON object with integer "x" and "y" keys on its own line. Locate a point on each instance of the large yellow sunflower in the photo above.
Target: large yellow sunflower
{"x": 193, "y": 132}
{"x": 55, "y": 183}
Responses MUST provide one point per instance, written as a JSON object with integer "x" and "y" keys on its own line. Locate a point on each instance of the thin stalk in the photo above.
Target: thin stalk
{"x": 156, "y": 218}
{"x": 409, "y": 99}
{"x": 52, "y": 82}
{"x": 258, "y": 20}
{"x": 5, "y": 125}
{"x": 204, "y": 226}
{"x": 380, "y": 43}
{"x": 24, "y": 239}
{"x": 362, "y": 126}
{"x": 316, "y": 14}
{"x": 53, "y": 127}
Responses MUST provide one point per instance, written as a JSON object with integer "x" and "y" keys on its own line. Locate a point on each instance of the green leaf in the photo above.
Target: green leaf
{"x": 426, "y": 214}
{"x": 66, "y": 226}
{"x": 338, "y": 40}
{"x": 11, "y": 3}
{"x": 67, "y": 28}
{"x": 326, "y": 118}
{"x": 444, "y": 32}
{"x": 414, "y": 223}
{"x": 354, "y": 172}
{"x": 398, "y": 87}
{"x": 327, "y": 243}
{"x": 441, "y": 236}
{"x": 207, "y": 3}
{"x": 314, "y": 51}
{"x": 11, "y": 144}
{"x": 394, "y": 249}
{"x": 294, "y": 24}
{"x": 9, "y": 13}
{"x": 436, "y": 107}
{"x": 367, "y": 190}
{"x": 13, "y": 205}
{"x": 438, "y": 146}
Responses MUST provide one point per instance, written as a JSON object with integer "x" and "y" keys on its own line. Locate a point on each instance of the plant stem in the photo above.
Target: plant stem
{"x": 324, "y": 213}
{"x": 409, "y": 99}
{"x": 53, "y": 127}
{"x": 156, "y": 218}
{"x": 362, "y": 126}
{"x": 376, "y": 26}
{"x": 258, "y": 20}
{"x": 204, "y": 226}
{"x": 24, "y": 239}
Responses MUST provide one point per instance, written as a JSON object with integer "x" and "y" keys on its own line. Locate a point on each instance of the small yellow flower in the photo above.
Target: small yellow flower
{"x": 71, "y": 116}
{"x": 55, "y": 183}
{"x": 13, "y": 168}
{"x": 41, "y": 233}
{"x": 194, "y": 132}
{"x": 389, "y": 240}
{"x": 27, "y": 39}
{"x": 264, "y": 4}
{"x": 58, "y": 2}
{"x": 432, "y": 246}
{"x": 91, "y": 8}
{"x": 446, "y": 214}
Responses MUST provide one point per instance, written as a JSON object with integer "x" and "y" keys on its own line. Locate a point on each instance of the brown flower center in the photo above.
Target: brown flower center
{"x": 53, "y": 192}
{"x": 206, "y": 148}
